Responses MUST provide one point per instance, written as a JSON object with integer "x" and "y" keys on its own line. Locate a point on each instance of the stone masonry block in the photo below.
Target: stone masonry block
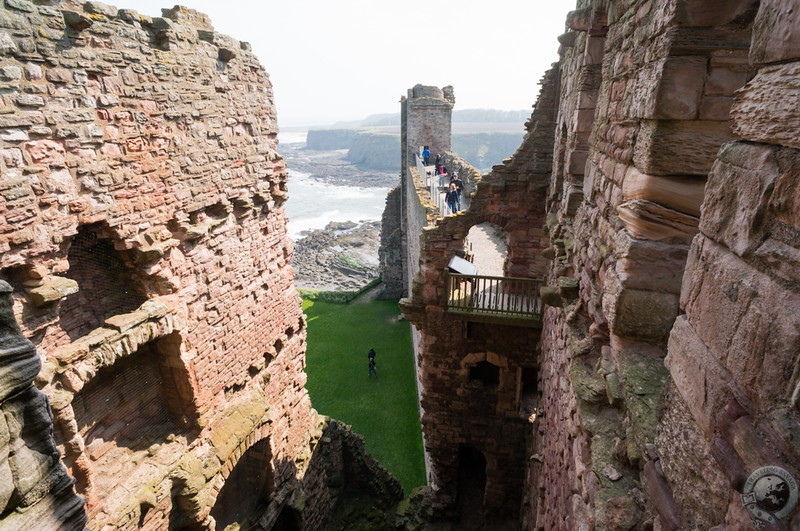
{"x": 738, "y": 191}
{"x": 775, "y": 35}
{"x": 699, "y": 377}
{"x": 680, "y": 87}
{"x": 684, "y": 194}
{"x": 650, "y": 265}
{"x": 52, "y": 289}
{"x": 750, "y": 323}
{"x": 679, "y": 147}
{"x": 640, "y": 314}
{"x": 767, "y": 109}
{"x": 704, "y": 13}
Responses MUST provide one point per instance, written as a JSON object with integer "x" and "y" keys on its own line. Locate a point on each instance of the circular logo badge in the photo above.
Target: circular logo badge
{"x": 769, "y": 494}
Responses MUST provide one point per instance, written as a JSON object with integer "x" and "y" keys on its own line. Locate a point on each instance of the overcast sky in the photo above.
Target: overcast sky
{"x": 333, "y": 60}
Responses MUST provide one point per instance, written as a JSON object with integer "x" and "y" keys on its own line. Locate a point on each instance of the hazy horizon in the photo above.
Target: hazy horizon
{"x": 343, "y": 61}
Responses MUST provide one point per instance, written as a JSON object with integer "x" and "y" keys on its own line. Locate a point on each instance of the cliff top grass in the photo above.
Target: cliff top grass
{"x": 384, "y": 409}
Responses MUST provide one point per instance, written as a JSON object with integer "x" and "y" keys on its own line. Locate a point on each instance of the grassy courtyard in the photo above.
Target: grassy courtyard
{"x": 384, "y": 409}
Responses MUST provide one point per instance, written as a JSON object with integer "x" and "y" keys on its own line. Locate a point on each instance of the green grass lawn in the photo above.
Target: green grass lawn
{"x": 384, "y": 409}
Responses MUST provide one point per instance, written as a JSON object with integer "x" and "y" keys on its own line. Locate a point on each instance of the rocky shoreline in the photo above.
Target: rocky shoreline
{"x": 342, "y": 256}
{"x": 332, "y": 167}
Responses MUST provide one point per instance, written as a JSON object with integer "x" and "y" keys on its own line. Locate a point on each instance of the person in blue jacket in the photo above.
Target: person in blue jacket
{"x": 426, "y": 155}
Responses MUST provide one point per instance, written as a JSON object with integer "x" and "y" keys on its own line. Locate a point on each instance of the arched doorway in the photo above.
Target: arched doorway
{"x": 471, "y": 487}
{"x": 486, "y": 246}
{"x": 245, "y": 495}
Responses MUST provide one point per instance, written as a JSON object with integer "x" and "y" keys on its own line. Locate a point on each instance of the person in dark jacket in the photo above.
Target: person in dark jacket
{"x": 459, "y": 186}
{"x": 371, "y": 363}
{"x": 451, "y": 198}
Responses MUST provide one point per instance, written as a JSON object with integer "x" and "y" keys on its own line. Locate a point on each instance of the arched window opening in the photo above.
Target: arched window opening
{"x": 142, "y": 401}
{"x": 246, "y": 493}
{"x": 485, "y": 373}
{"x": 107, "y": 282}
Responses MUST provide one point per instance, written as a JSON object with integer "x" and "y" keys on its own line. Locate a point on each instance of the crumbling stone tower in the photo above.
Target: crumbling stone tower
{"x": 426, "y": 120}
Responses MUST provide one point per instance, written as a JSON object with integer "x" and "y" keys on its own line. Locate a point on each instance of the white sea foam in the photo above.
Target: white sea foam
{"x": 313, "y": 204}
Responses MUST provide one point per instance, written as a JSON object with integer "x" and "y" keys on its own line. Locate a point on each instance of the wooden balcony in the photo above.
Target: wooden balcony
{"x": 500, "y": 300}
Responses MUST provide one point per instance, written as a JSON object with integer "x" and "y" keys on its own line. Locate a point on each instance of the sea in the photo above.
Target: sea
{"x": 313, "y": 203}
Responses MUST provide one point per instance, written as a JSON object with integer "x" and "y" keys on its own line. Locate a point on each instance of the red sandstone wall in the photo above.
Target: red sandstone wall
{"x": 154, "y": 140}
{"x": 733, "y": 353}
{"x": 664, "y": 382}
{"x": 458, "y": 411}
{"x": 647, "y": 89}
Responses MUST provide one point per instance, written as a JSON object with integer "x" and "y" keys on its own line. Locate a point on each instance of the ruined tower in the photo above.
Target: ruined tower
{"x": 426, "y": 120}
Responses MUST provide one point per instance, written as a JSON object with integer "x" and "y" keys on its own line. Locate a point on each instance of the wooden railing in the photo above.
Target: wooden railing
{"x": 501, "y": 299}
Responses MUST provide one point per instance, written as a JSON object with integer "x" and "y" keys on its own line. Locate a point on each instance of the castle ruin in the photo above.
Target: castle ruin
{"x": 657, "y": 383}
{"x": 145, "y": 257}
{"x": 634, "y": 367}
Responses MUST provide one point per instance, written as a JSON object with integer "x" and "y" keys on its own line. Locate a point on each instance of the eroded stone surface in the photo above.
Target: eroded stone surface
{"x": 674, "y": 284}
{"x": 144, "y": 237}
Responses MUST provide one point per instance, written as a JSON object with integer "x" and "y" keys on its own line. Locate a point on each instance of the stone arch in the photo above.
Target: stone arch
{"x": 140, "y": 404}
{"x": 486, "y": 246}
{"x": 108, "y": 282}
{"x": 247, "y": 482}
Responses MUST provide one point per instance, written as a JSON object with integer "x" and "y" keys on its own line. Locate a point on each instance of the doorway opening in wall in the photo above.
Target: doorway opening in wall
{"x": 132, "y": 409}
{"x": 246, "y": 493}
{"x": 529, "y": 393}
{"x": 471, "y": 487}
{"x": 288, "y": 520}
{"x": 486, "y": 246}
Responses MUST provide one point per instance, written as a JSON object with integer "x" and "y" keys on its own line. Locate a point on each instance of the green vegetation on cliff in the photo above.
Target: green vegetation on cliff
{"x": 384, "y": 409}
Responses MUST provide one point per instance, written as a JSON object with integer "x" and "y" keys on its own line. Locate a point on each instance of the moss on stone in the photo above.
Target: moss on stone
{"x": 588, "y": 385}
{"x": 643, "y": 378}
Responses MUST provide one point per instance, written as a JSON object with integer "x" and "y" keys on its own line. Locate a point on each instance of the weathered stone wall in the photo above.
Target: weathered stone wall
{"x": 733, "y": 353}
{"x": 644, "y": 110}
{"x": 663, "y": 383}
{"x": 462, "y": 412}
{"x": 390, "y": 252}
{"x": 140, "y": 178}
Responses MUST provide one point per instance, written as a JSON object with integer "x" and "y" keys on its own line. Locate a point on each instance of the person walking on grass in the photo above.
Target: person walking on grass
{"x": 371, "y": 358}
